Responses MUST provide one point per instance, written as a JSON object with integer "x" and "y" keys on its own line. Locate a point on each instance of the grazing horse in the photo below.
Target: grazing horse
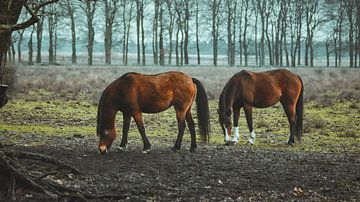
{"x": 261, "y": 89}
{"x": 135, "y": 93}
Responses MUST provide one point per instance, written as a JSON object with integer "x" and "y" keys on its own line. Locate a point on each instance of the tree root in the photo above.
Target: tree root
{"x": 29, "y": 155}
{"x": 12, "y": 170}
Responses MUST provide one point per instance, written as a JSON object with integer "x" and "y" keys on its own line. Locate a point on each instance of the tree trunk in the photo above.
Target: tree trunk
{"x": 244, "y": 41}
{"x": 161, "y": 40}
{"x": 30, "y": 47}
{"x": 327, "y": 46}
{"x": 70, "y": 12}
{"x": 215, "y": 4}
{"x": 39, "y": 30}
{"x": 142, "y": 33}
{"x": 197, "y": 32}
{"x": 138, "y": 16}
{"x": 21, "y": 36}
{"x": 170, "y": 29}
{"x": 51, "y": 30}
{"x": 186, "y": 31}
{"x": 349, "y": 9}
{"x": 155, "y": 46}
{"x": 177, "y": 44}
{"x": 110, "y": 14}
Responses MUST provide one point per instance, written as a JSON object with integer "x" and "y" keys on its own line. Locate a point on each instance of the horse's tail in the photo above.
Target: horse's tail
{"x": 299, "y": 112}
{"x": 202, "y": 108}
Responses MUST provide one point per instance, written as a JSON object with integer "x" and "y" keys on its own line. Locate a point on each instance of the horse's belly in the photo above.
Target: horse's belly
{"x": 155, "y": 107}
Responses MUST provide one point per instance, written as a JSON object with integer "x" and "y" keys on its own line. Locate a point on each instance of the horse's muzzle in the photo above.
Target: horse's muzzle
{"x": 102, "y": 149}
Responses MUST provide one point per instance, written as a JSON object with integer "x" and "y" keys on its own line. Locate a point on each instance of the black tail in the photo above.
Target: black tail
{"x": 299, "y": 112}
{"x": 202, "y": 108}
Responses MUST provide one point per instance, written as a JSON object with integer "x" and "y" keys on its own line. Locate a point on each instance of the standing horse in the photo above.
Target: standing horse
{"x": 261, "y": 89}
{"x": 134, "y": 93}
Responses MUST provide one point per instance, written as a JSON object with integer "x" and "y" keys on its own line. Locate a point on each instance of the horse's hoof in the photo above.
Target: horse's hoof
{"x": 146, "y": 151}
{"x": 192, "y": 150}
{"x": 290, "y": 144}
{"x": 251, "y": 142}
{"x": 122, "y": 149}
{"x": 229, "y": 143}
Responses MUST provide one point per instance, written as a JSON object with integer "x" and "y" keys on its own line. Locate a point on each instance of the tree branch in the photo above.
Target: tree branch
{"x": 34, "y": 18}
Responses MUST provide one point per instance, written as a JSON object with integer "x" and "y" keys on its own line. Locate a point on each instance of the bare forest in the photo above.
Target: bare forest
{"x": 193, "y": 32}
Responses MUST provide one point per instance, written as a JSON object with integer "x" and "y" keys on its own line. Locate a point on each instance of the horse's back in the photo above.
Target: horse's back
{"x": 157, "y": 92}
{"x": 263, "y": 89}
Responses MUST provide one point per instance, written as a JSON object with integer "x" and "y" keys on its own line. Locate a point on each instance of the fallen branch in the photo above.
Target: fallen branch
{"x": 40, "y": 157}
{"x": 7, "y": 164}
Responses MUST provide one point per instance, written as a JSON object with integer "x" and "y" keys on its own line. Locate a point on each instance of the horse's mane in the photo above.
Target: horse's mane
{"x": 99, "y": 125}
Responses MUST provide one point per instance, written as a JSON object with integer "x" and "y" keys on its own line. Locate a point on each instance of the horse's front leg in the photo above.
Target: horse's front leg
{"x": 180, "y": 117}
{"x": 140, "y": 125}
{"x": 236, "y": 111}
{"x": 126, "y": 126}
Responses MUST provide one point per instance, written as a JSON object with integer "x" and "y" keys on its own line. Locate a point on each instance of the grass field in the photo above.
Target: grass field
{"x": 62, "y": 101}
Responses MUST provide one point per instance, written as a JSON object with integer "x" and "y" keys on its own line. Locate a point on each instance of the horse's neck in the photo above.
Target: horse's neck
{"x": 106, "y": 118}
{"x": 229, "y": 98}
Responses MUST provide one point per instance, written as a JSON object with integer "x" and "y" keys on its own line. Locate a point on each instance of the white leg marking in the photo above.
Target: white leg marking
{"x": 252, "y": 137}
{"x": 226, "y": 135}
{"x": 236, "y": 135}
{"x": 122, "y": 148}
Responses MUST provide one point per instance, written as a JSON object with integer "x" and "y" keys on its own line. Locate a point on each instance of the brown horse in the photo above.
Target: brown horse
{"x": 261, "y": 89}
{"x": 134, "y": 93}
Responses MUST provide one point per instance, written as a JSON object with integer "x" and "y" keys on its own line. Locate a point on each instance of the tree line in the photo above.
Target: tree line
{"x": 271, "y": 32}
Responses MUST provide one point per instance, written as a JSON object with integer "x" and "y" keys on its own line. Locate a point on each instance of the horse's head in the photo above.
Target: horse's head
{"x": 106, "y": 139}
{"x": 225, "y": 122}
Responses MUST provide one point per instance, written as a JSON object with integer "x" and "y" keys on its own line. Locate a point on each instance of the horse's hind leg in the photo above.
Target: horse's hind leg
{"x": 191, "y": 126}
{"x": 140, "y": 124}
{"x": 126, "y": 126}
{"x": 248, "y": 114}
{"x": 290, "y": 110}
{"x": 180, "y": 117}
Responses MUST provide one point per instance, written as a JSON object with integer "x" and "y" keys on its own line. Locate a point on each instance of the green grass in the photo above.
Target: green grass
{"x": 333, "y": 128}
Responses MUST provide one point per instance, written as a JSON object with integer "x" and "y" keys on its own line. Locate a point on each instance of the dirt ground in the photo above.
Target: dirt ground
{"x": 214, "y": 173}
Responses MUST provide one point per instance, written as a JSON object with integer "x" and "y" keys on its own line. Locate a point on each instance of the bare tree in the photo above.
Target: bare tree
{"x": 197, "y": 31}
{"x": 89, "y": 9}
{"x": 161, "y": 38}
{"x": 179, "y": 24}
{"x": 138, "y": 17}
{"x": 170, "y": 27}
{"x": 111, "y": 8}
{"x": 244, "y": 44}
{"x": 52, "y": 14}
{"x": 70, "y": 8}
{"x": 312, "y": 22}
{"x": 142, "y": 7}
{"x": 357, "y": 54}
{"x": 215, "y": 8}
{"x": 21, "y": 37}
{"x": 9, "y": 15}
{"x": 155, "y": 46}
{"x": 30, "y": 47}
{"x": 39, "y": 31}
{"x": 231, "y": 13}
{"x": 186, "y": 32}
{"x": 127, "y": 18}
{"x": 350, "y": 8}
{"x": 262, "y": 7}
